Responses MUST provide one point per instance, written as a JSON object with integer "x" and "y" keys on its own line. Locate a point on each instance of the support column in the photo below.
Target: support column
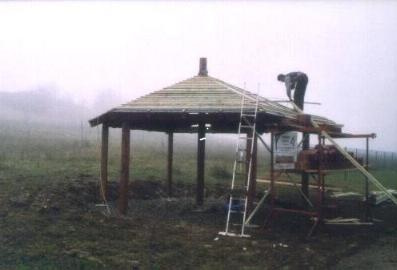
{"x": 125, "y": 169}
{"x": 200, "y": 164}
{"x": 252, "y": 185}
{"x": 104, "y": 161}
{"x": 272, "y": 191}
{"x": 320, "y": 180}
{"x": 169, "y": 162}
{"x": 305, "y": 176}
{"x": 368, "y": 216}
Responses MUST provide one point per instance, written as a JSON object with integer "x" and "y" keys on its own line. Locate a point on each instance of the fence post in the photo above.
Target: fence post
{"x": 345, "y": 171}
{"x": 384, "y": 160}
{"x": 376, "y": 158}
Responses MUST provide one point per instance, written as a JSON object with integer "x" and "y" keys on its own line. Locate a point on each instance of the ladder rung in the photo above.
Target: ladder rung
{"x": 248, "y": 114}
{"x": 245, "y": 138}
{"x": 236, "y": 211}
{"x": 247, "y": 126}
{"x": 238, "y": 199}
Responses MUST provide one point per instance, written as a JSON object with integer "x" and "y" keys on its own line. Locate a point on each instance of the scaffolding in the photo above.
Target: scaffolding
{"x": 316, "y": 212}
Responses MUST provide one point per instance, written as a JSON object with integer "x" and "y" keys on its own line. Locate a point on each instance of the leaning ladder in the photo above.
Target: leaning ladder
{"x": 241, "y": 178}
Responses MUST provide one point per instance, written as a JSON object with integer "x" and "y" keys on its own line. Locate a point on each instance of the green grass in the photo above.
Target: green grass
{"x": 42, "y": 157}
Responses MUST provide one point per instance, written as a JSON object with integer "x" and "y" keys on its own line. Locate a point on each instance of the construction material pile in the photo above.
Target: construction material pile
{"x": 329, "y": 157}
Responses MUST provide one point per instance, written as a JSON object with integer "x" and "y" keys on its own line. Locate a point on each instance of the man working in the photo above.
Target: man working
{"x": 296, "y": 81}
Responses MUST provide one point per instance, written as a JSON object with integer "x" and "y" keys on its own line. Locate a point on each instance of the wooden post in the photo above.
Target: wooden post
{"x": 252, "y": 184}
{"x": 272, "y": 191}
{"x": 272, "y": 187}
{"x": 125, "y": 169}
{"x": 367, "y": 204}
{"x": 200, "y": 164}
{"x": 305, "y": 176}
{"x": 169, "y": 163}
{"x": 104, "y": 161}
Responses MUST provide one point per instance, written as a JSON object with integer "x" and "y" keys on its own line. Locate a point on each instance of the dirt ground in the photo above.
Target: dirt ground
{"x": 380, "y": 255}
{"x": 62, "y": 227}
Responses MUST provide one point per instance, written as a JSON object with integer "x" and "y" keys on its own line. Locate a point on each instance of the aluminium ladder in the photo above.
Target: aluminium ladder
{"x": 238, "y": 200}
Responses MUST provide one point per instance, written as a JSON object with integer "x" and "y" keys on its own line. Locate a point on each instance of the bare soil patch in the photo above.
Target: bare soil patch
{"x": 60, "y": 227}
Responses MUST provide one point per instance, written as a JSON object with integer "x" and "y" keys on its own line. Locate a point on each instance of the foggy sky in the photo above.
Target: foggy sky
{"x": 348, "y": 50}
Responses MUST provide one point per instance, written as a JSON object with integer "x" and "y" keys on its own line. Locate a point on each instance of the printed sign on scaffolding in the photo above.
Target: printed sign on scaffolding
{"x": 285, "y": 150}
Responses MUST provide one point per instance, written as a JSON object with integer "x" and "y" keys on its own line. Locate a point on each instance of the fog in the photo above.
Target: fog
{"x": 91, "y": 56}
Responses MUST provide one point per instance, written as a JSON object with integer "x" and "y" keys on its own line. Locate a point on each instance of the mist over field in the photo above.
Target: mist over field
{"x": 102, "y": 54}
{"x": 44, "y": 112}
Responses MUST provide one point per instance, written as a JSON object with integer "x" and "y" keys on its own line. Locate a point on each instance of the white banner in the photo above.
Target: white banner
{"x": 285, "y": 150}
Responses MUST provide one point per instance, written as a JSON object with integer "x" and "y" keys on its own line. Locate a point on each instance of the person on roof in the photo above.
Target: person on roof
{"x": 297, "y": 82}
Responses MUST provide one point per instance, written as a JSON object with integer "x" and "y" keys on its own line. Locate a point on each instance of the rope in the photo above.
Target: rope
{"x": 101, "y": 188}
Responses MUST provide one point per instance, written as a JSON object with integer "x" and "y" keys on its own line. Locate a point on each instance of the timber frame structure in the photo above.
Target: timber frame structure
{"x": 313, "y": 210}
{"x": 200, "y": 104}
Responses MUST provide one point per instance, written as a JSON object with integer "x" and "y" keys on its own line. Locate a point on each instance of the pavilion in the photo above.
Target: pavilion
{"x": 201, "y": 104}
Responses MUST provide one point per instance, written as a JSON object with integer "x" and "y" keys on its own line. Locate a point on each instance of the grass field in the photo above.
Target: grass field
{"x": 40, "y": 153}
{"x": 48, "y": 219}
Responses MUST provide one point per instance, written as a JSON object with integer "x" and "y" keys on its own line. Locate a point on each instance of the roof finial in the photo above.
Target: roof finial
{"x": 203, "y": 67}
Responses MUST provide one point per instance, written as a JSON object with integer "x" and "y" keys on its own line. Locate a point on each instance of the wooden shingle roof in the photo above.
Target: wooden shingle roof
{"x": 203, "y": 95}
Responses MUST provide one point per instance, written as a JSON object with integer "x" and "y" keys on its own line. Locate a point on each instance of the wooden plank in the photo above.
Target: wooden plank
{"x": 125, "y": 169}
{"x": 169, "y": 161}
{"x": 360, "y": 168}
{"x": 287, "y": 183}
{"x": 200, "y": 164}
{"x": 104, "y": 161}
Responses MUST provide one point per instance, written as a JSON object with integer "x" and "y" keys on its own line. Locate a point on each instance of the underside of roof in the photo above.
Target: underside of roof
{"x": 200, "y": 98}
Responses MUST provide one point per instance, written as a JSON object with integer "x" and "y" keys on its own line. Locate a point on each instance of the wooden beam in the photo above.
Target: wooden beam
{"x": 125, "y": 169}
{"x": 289, "y": 183}
{"x": 104, "y": 161}
{"x": 169, "y": 162}
{"x": 200, "y": 164}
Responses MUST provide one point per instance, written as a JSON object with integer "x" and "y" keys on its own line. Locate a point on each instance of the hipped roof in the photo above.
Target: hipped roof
{"x": 200, "y": 95}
